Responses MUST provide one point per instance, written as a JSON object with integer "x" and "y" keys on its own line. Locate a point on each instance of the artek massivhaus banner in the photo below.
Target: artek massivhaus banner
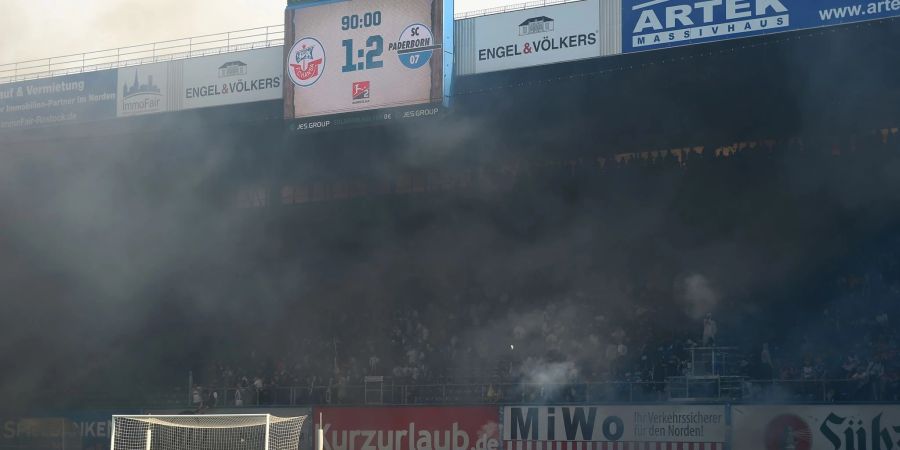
{"x": 652, "y": 24}
{"x": 682, "y": 427}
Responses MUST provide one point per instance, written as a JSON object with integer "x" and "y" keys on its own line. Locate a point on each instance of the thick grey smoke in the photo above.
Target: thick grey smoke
{"x": 107, "y": 241}
{"x": 17, "y": 18}
{"x": 92, "y": 25}
{"x": 119, "y": 250}
{"x": 698, "y": 296}
{"x": 541, "y": 372}
{"x": 101, "y": 24}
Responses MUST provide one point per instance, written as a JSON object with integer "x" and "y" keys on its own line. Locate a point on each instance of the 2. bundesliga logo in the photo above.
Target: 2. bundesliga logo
{"x": 361, "y": 92}
{"x": 306, "y": 61}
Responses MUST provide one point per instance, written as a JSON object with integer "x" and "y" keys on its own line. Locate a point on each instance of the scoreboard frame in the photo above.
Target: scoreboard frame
{"x": 440, "y": 65}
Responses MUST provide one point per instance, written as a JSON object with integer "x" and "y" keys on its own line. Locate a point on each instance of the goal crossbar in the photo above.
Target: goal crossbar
{"x": 205, "y": 431}
{"x": 207, "y": 420}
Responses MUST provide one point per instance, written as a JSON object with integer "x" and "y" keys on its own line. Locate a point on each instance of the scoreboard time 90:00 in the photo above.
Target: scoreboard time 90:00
{"x": 370, "y": 56}
{"x": 359, "y": 55}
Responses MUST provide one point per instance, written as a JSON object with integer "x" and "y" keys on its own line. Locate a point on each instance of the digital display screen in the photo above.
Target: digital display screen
{"x": 345, "y": 56}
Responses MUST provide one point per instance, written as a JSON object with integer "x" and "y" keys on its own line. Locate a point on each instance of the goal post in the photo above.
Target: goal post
{"x": 206, "y": 432}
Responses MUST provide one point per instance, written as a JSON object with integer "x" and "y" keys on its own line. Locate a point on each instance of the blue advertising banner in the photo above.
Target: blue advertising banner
{"x": 95, "y": 427}
{"x": 60, "y": 100}
{"x": 653, "y": 24}
{"x": 85, "y": 430}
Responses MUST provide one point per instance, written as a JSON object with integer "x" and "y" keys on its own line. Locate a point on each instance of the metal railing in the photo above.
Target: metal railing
{"x": 437, "y": 394}
{"x": 509, "y": 8}
{"x": 807, "y": 391}
{"x": 191, "y": 47}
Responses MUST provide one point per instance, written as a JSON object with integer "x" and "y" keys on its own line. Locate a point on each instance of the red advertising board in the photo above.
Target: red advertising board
{"x": 410, "y": 428}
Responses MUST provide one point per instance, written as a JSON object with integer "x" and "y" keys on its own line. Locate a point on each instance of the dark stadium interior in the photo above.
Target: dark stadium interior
{"x": 543, "y": 231}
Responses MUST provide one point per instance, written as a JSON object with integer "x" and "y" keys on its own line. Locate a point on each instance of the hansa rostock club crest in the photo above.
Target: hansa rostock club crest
{"x": 306, "y": 62}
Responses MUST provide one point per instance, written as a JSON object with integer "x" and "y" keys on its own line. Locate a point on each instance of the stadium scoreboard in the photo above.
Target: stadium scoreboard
{"x": 354, "y": 62}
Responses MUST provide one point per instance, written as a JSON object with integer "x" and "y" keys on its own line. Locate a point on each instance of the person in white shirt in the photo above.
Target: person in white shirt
{"x": 710, "y": 329}
{"x": 196, "y": 396}
{"x": 238, "y": 397}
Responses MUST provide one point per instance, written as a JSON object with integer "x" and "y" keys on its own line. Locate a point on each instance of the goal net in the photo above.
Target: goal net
{"x": 206, "y": 432}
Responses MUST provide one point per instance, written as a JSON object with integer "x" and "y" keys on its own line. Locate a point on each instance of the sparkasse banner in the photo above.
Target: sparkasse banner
{"x": 411, "y": 428}
{"x": 683, "y": 427}
{"x": 826, "y": 427}
{"x": 232, "y": 78}
{"x": 537, "y": 36}
{"x": 652, "y": 24}
{"x": 85, "y": 430}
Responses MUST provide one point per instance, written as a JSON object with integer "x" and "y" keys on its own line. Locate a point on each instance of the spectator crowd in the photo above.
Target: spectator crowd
{"x": 831, "y": 337}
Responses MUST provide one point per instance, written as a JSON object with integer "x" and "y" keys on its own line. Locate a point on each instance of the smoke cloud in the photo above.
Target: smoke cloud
{"x": 91, "y": 25}
{"x": 698, "y": 295}
{"x": 125, "y": 261}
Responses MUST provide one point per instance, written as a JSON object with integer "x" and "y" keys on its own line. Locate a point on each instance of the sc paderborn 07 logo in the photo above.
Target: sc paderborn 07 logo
{"x": 306, "y": 62}
{"x": 415, "y": 46}
{"x": 788, "y": 432}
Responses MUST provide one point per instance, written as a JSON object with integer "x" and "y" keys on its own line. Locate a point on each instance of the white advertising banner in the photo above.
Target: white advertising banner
{"x": 658, "y": 427}
{"x": 537, "y": 36}
{"x": 219, "y": 80}
{"x": 232, "y": 78}
{"x": 826, "y": 427}
{"x": 144, "y": 90}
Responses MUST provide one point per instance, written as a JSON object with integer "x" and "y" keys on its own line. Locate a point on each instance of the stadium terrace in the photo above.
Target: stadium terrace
{"x": 530, "y": 231}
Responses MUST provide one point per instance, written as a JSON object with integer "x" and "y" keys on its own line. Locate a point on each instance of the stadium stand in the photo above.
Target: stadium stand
{"x": 560, "y": 235}
{"x": 596, "y": 347}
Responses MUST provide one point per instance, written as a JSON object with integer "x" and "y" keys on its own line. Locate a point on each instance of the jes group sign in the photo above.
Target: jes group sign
{"x": 433, "y": 428}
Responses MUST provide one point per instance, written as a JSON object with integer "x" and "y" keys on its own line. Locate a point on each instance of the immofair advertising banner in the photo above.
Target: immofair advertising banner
{"x": 55, "y": 101}
{"x": 660, "y": 427}
{"x": 358, "y": 55}
{"x": 147, "y": 89}
{"x": 537, "y": 36}
{"x": 219, "y": 80}
{"x": 825, "y": 427}
{"x": 652, "y": 24}
{"x": 410, "y": 428}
